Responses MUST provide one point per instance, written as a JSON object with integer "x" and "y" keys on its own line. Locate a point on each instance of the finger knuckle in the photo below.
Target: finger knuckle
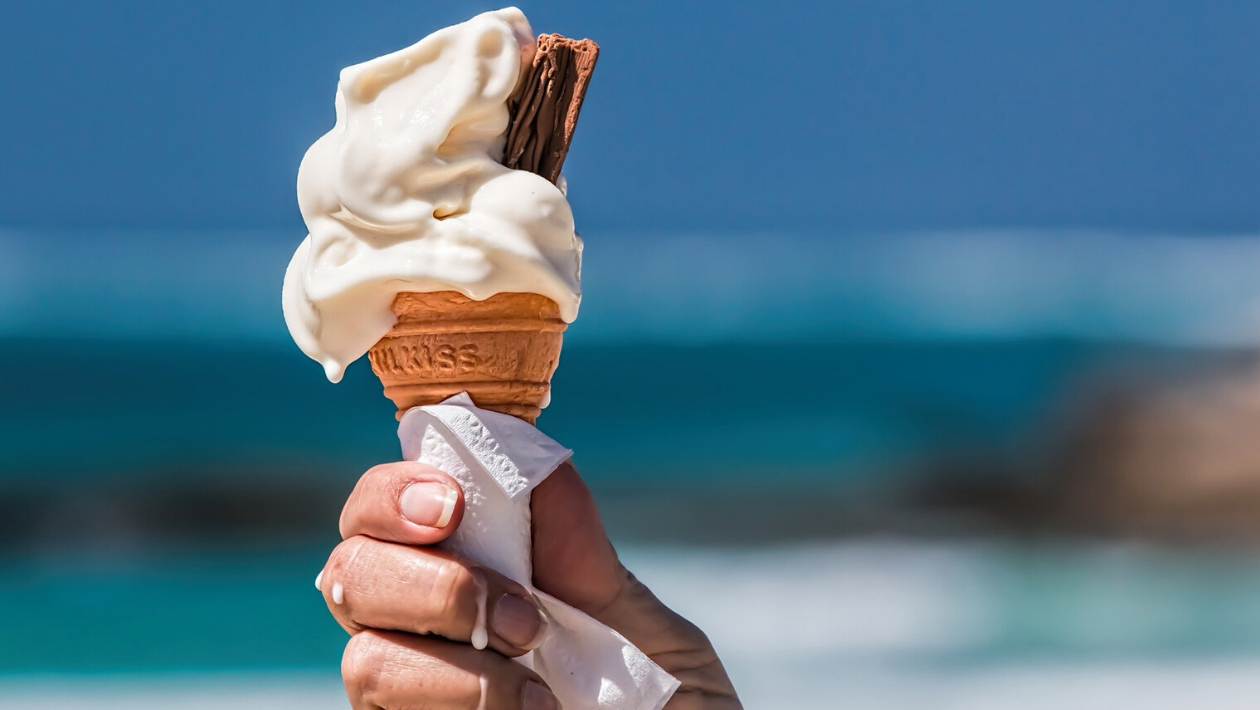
{"x": 378, "y": 472}
{"x": 451, "y": 586}
{"x": 374, "y": 479}
{"x": 362, "y": 663}
{"x": 348, "y": 563}
{"x": 396, "y": 475}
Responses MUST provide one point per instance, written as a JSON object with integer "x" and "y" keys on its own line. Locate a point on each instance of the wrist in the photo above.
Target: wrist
{"x": 675, "y": 644}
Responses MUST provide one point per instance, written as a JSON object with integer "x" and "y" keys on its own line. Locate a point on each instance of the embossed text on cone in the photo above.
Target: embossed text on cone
{"x": 502, "y": 351}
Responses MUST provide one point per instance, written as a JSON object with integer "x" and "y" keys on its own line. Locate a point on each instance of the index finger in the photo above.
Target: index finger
{"x": 404, "y": 502}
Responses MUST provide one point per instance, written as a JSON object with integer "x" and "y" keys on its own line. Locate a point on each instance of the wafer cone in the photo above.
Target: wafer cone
{"x": 502, "y": 351}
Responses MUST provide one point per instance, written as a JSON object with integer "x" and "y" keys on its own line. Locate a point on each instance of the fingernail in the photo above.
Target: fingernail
{"x": 517, "y": 621}
{"x": 537, "y": 697}
{"x": 429, "y": 504}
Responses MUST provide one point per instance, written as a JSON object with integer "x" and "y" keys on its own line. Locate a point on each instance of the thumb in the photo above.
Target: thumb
{"x": 573, "y": 558}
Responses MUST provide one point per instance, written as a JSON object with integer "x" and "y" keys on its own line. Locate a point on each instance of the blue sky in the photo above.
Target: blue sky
{"x": 826, "y": 117}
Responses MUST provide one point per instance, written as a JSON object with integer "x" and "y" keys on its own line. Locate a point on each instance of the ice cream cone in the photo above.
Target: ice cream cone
{"x": 502, "y": 351}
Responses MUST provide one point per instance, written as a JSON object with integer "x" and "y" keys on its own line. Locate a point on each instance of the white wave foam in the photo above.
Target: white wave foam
{"x": 854, "y": 600}
{"x": 696, "y": 287}
{"x": 147, "y": 285}
{"x": 1165, "y": 289}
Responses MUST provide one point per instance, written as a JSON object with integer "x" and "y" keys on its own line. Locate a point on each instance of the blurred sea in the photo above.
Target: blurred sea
{"x": 765, "y": 422}
{"x": 870, "y": 624}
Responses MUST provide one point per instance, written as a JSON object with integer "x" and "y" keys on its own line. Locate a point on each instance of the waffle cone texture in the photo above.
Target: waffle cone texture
{"x": 502, "y": 351}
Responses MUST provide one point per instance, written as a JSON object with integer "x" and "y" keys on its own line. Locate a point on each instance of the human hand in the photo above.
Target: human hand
{"x": 412, "y": 609}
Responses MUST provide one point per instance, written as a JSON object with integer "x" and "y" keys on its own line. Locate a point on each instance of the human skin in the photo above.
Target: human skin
{"x": 411, "y": 608}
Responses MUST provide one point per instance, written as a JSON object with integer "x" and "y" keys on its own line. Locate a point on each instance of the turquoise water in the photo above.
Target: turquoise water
{"x": 196, "y": 609}
{"x": 965, "y": 604}
{"x": 87, "y": 409}
{"x": 166, "y": 505}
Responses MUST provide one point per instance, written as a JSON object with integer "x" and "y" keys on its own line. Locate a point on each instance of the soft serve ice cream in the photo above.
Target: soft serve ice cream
{"x": 406, "y": 193}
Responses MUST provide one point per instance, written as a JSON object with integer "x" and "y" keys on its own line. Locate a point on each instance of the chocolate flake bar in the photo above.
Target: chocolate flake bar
{"x": 544, "y": 108}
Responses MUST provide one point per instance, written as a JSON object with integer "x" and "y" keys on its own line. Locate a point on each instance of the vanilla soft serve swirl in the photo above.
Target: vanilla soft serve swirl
{"x": 406, "y": 193}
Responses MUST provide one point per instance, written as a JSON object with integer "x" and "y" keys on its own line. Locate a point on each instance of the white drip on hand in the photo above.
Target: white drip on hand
{"x": 479, "y": 636}
{"x": 485, "y": 691}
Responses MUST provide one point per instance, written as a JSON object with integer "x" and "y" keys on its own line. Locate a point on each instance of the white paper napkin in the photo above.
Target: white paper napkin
{"x": 498, "y": 459}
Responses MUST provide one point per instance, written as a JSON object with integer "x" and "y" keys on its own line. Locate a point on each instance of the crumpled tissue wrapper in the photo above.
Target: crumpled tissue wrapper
{"x": 498, "y": 459}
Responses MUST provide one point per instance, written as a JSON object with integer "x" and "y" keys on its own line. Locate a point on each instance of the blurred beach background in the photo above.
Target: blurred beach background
{"x": 918, "y": 362}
